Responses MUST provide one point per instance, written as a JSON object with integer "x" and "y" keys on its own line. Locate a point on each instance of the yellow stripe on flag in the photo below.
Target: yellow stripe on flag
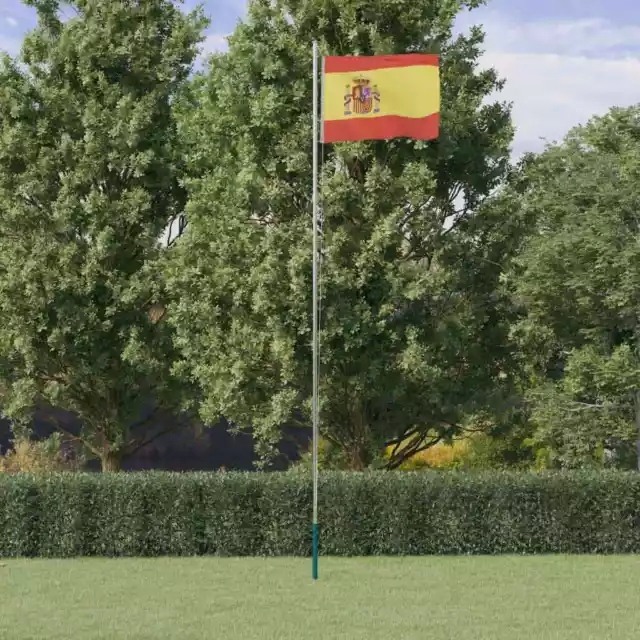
{"x": 410, "y": 92}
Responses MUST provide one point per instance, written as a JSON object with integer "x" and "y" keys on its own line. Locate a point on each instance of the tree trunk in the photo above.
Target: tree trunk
{"x": 356, "y": 449}
{"x": 111, "y": 461}
{"x": 357, "y": 457}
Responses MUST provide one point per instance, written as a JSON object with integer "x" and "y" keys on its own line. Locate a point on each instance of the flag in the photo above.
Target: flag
{"x": 380, "y": 97}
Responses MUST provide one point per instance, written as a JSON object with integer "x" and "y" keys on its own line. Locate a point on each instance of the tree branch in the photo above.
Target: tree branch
{"x": 135, "y": 446}
{"x": 73, "y": 436}
{"x": 418, "y": 446}
{"x": 583, "y": 406}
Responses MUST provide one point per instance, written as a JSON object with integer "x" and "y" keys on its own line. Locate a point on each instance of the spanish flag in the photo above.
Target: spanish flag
{"x": 380, "y": 97}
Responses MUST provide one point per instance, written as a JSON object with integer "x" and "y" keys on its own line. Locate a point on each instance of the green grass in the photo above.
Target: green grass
{"x": 479, "y": 598}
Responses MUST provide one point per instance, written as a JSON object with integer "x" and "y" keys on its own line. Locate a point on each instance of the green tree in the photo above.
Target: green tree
{"x": 88, "y": 182}
{"x": 579, "y": 281}
{"x": 413, "y": 332}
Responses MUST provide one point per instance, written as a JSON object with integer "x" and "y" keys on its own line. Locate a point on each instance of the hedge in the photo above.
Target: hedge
{"x": 382, "y": 513}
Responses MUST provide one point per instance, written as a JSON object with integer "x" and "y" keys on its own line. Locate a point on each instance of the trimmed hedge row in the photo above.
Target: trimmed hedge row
{"x": 229, "y": 514}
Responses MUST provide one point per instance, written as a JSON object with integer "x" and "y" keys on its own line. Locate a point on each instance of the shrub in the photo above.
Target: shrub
{"x": 440, "y": 456}
{"x": 381, "y": 513}
{"x": 34, "y": 456}
{"x": 481, "y": 452}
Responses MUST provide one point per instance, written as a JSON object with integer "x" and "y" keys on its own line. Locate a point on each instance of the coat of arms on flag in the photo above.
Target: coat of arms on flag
{"x": 361, "y": 97}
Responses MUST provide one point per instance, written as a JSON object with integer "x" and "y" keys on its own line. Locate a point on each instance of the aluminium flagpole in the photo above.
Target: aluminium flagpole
{"x": 315, "y": 349}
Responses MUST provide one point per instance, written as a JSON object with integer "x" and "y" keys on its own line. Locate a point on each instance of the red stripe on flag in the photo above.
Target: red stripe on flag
{"x": 381, "y": 128}
{"x": 347, "y": 64}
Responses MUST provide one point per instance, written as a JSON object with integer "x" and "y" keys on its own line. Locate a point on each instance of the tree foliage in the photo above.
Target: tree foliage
{"x": 414, "y": 330}
{"x": 578, "y": 278}
{"x": 89, "y": 179}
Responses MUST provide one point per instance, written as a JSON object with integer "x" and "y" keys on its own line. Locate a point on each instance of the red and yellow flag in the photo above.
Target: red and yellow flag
{"x": 380, "y": 97}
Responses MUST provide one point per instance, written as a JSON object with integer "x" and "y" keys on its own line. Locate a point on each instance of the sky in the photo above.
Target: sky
{"x": 564, "y": 60}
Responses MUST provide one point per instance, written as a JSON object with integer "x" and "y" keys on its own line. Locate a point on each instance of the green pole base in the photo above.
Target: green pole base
{"x": 315, "y": 551}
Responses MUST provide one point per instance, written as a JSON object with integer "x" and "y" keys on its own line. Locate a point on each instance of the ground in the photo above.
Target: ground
{"x": 470, "y": 598}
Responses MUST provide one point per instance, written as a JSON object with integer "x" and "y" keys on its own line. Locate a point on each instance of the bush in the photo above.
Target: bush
{"x": 37, "y": 456}
{"x": 480, "y": 452}
{"x": 441, "y": 456}
{"x": 382, "y": 513}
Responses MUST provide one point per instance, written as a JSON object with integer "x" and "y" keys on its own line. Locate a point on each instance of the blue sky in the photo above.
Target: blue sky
{"x": 564, "y": 60}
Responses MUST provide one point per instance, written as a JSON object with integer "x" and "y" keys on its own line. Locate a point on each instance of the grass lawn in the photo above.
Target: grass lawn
{"x": 479, "y": 598}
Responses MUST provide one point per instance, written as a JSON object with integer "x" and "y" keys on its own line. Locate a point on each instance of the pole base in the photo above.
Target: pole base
{"x": 314, "y": 568}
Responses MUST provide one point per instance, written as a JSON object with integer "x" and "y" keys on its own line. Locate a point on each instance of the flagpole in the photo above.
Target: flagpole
{"x": 315, "y": 405}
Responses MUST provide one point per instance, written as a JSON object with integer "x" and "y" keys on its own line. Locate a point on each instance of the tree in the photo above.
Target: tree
{"x": 88, "y": 182}
{"x": 578, "y": 279}
{"x": 413, "y": 331}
